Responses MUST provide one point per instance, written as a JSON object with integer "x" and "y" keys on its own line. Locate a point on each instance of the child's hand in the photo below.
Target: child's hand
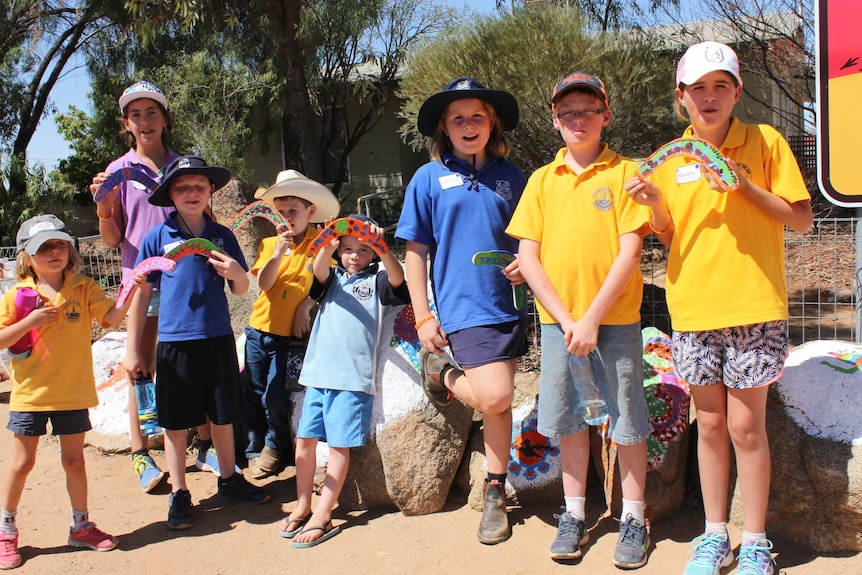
{"x": 581, "y": 337}
{"x": 432, "y": 337}
{"x": 285, "y": 241}
{"x": 134, "y": 364}
{"x": 42, "y": 316}
{"x": 513, "y": 273}
{"x": 643, "y": 192}
{"x": 334, "y": 242}
{"x": 226, "y": 266}
{"x": 742, "y": 180}
{"x": 302, "y": 320}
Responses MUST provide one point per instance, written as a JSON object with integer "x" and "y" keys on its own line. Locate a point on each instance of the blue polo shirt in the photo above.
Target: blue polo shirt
{"x": 193, "y": 301}
{"x": 457, "y": 212}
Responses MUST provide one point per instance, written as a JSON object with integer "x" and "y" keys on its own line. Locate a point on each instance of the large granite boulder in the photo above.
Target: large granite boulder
{"x": 415, "y": 449}
{"x": 814, "y": 424}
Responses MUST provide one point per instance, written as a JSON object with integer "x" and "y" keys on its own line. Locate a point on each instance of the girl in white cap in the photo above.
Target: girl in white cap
{"x": 726, "y": 293}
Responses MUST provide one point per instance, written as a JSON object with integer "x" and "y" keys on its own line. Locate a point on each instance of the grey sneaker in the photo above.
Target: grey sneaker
{"x": 756, "y": 558}
{"x": 571, "y": 535}
{"x": 631, "y": 551}
{"x": 237, "y": 487}
{"x": 710, "y": 552}
{"x": 180, "y": 510}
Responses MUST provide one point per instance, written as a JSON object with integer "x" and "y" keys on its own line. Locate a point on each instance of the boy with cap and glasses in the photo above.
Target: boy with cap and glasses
{"x": 580, "y": 246}
{"x": 124, "y": 220}
{"x": 196, "y": 356}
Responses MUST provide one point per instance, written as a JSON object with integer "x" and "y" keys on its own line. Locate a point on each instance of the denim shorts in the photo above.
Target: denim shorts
{"x": 617, "y": 363}
{"x": 340, "y": 418}
{"x": 35, "y": 423}
{"x": 741, "y": 357}
{"x": 476, "y": 346}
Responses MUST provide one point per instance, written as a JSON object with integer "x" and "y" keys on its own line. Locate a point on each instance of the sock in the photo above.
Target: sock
{"x": 498, "y": 477}
{"x": 633, "y": 508}
{"x": 7, "y": 521}
{"x": 80, "y": 519}
{"x": 716, "y": 527}
{"x": 204, "y": 445}
{"x": 577, "y": 506}
{"x": 749, "y": 538}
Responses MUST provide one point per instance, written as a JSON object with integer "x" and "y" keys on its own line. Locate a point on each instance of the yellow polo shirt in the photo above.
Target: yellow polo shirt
{"x": 726, "y": 261}
{"x": 275, "y": 309}
{"x": 578, "y": 220}
{"x": 58, "y": 374}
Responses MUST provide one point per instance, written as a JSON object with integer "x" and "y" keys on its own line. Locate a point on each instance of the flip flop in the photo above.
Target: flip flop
{"x": 329, "y": 531}
{"x": 287, "y": 522}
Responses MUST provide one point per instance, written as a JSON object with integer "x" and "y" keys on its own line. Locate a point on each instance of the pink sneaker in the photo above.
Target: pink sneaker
{"x": 92, "y": 537}
{"x": 9, "y": 556}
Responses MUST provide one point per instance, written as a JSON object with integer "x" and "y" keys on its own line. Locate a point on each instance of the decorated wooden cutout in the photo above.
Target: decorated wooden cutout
{"x": 258, "y": 209}
{"x": 500, "y": 259}
{"x": 702, "y": 152}
{"x": 193, "y": 246}
{"x": 349, "y": 227}
{"x": 153, "y": 264}
{"x": 122, "y": 175}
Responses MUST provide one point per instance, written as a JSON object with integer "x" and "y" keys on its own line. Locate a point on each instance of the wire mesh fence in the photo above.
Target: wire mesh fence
{"x": 822, "y": 282}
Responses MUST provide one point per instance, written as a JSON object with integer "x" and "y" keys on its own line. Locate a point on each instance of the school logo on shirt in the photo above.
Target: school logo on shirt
{"x": 219, "y": 242}
{"x": 363, "y": 291}
{"x": 72, "y": 310}
{"x": 744, "y": 168}
{"x": 603, "y": 199}
{"x": 504, "y": 189}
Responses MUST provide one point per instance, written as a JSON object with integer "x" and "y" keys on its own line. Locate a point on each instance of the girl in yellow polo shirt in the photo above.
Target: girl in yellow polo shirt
{"x": 726, "y": 292}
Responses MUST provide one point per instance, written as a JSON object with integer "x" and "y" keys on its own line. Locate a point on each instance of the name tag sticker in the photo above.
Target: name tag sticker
{"x": 450, "y": 181}
{"x": 690, "y": 173}
{"x": 172, "y": 245}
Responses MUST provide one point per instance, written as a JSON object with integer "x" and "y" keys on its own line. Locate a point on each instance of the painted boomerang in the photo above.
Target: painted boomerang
{"x": 193, "y": 246}
{"x": 702, "y": 152}
{"x": 500, "y": 259}
{"x": 349, "y": 227}
{"x": 120, "y": 176}
{"x": 258, "y": 209}
{"x": 153, "y": 264}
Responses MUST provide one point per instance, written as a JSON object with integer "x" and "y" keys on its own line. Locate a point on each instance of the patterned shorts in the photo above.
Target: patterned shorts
{"x": 742, "y": 357}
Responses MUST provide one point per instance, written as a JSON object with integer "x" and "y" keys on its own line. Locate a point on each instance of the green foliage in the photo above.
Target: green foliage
{"x": 526, "y": 53}
{"x": 15, "y": 208}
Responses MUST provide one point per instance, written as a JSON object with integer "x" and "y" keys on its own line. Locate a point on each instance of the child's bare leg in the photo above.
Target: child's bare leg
{"x": 633, "y": 470}
{"x": 222, "y": 438}
{"x": 575, "y": 456}
{"x": 336, "y": 473}
{"x": 20, "y": 466}
{"x": 713, "y": 449}
{"x": 72, "y": 456}
{"x": 746, "y": 422}
{"x": 306, "y": 465}
{"x": 175, "y": 451}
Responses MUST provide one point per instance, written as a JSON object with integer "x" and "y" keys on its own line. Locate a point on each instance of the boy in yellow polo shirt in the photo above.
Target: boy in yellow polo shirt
{"x": 580, "y": 246}
{"x": 280, "y": 319}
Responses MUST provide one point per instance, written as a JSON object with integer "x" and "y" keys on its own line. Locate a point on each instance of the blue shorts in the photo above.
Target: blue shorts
{"x": 35, "y": 423}
{"x": 340, "y": 418}
{"x": 742, "y": 357}
{"x": 617, "y": 364}
{"x": 476, "y": 346}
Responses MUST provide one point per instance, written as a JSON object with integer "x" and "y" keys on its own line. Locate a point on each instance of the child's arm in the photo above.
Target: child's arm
{"x": 320, "y": 267}
{"x": 540, "y": 283}
{"x": 232, "y": 271}
{"x": 137, "y": 317}
{"x": 114, "y": 315}
{"x": 36, "y": 318}
{"x": 585, "y": 332}
{"x": 431, "y": 334}
{"x": 302, "y": 318}
{"x": 110, "y": 214}
{"x": 648, "y": 194}
{"x": 269, "y": 273}
{"x": 797, "y": 215}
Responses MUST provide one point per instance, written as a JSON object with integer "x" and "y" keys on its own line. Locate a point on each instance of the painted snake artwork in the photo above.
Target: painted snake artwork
{"x": 702, "y": 152}
{"x": 349, "y": 227}
{"x": 106, "y": 189}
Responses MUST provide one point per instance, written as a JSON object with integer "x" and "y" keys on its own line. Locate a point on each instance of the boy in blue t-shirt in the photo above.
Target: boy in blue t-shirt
{"x": 196, "y": 356}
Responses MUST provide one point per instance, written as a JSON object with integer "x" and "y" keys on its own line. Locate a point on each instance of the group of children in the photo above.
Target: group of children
{"x": 577, "y": 227}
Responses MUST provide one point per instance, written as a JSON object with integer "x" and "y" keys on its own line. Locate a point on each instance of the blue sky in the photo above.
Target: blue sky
{"x": 48, "y": 147}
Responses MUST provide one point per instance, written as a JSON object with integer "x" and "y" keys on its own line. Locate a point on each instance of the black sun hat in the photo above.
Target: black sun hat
{"x": 184, "y": 166}
{"x": 504, "y": 103}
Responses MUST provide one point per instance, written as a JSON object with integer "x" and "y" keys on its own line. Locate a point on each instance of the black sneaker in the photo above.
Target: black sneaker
{"x": 238, "y": 487}
{"x": 180, "y": 510}
{"x": 571, "y": 535}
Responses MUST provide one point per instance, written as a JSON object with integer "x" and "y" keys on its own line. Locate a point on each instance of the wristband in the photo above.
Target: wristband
{"x": 423, "y": 321}
{"x": 664, "y": 231}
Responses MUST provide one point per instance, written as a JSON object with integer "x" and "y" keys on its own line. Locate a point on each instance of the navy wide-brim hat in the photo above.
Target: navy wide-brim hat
{"x": 504, "y": 103}
{"x": 184, "y": 166}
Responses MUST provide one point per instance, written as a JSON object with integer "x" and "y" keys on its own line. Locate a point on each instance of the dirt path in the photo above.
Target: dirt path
{"x": 237, "y": 538}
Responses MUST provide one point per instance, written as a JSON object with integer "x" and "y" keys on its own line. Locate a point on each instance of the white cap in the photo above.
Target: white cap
{"x": 701, "y": 59}
{"x": 142, "y": 89}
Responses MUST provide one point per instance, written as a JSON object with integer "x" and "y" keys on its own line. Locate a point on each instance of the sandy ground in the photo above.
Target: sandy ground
{"x": 234, "y": 537}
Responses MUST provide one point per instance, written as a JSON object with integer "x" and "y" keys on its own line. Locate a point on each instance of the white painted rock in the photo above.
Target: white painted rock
{"x": 110, "y": 418}
{"x": 814, "y": 424}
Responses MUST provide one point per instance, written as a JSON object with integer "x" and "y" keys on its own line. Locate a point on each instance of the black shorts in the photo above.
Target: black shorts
{"x": 476, "y": 346}
{"x": 196, "y": 380}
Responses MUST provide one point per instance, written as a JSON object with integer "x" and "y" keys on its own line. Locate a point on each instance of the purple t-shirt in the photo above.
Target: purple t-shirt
{"x": 139, "y": 216}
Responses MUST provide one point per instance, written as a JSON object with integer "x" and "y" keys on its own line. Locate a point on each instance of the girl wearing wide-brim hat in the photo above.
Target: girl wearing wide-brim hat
{"x": 456, "y": 206}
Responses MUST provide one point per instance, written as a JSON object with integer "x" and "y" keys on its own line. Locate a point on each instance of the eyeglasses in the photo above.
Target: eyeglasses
{"x": 587, "y": 114}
